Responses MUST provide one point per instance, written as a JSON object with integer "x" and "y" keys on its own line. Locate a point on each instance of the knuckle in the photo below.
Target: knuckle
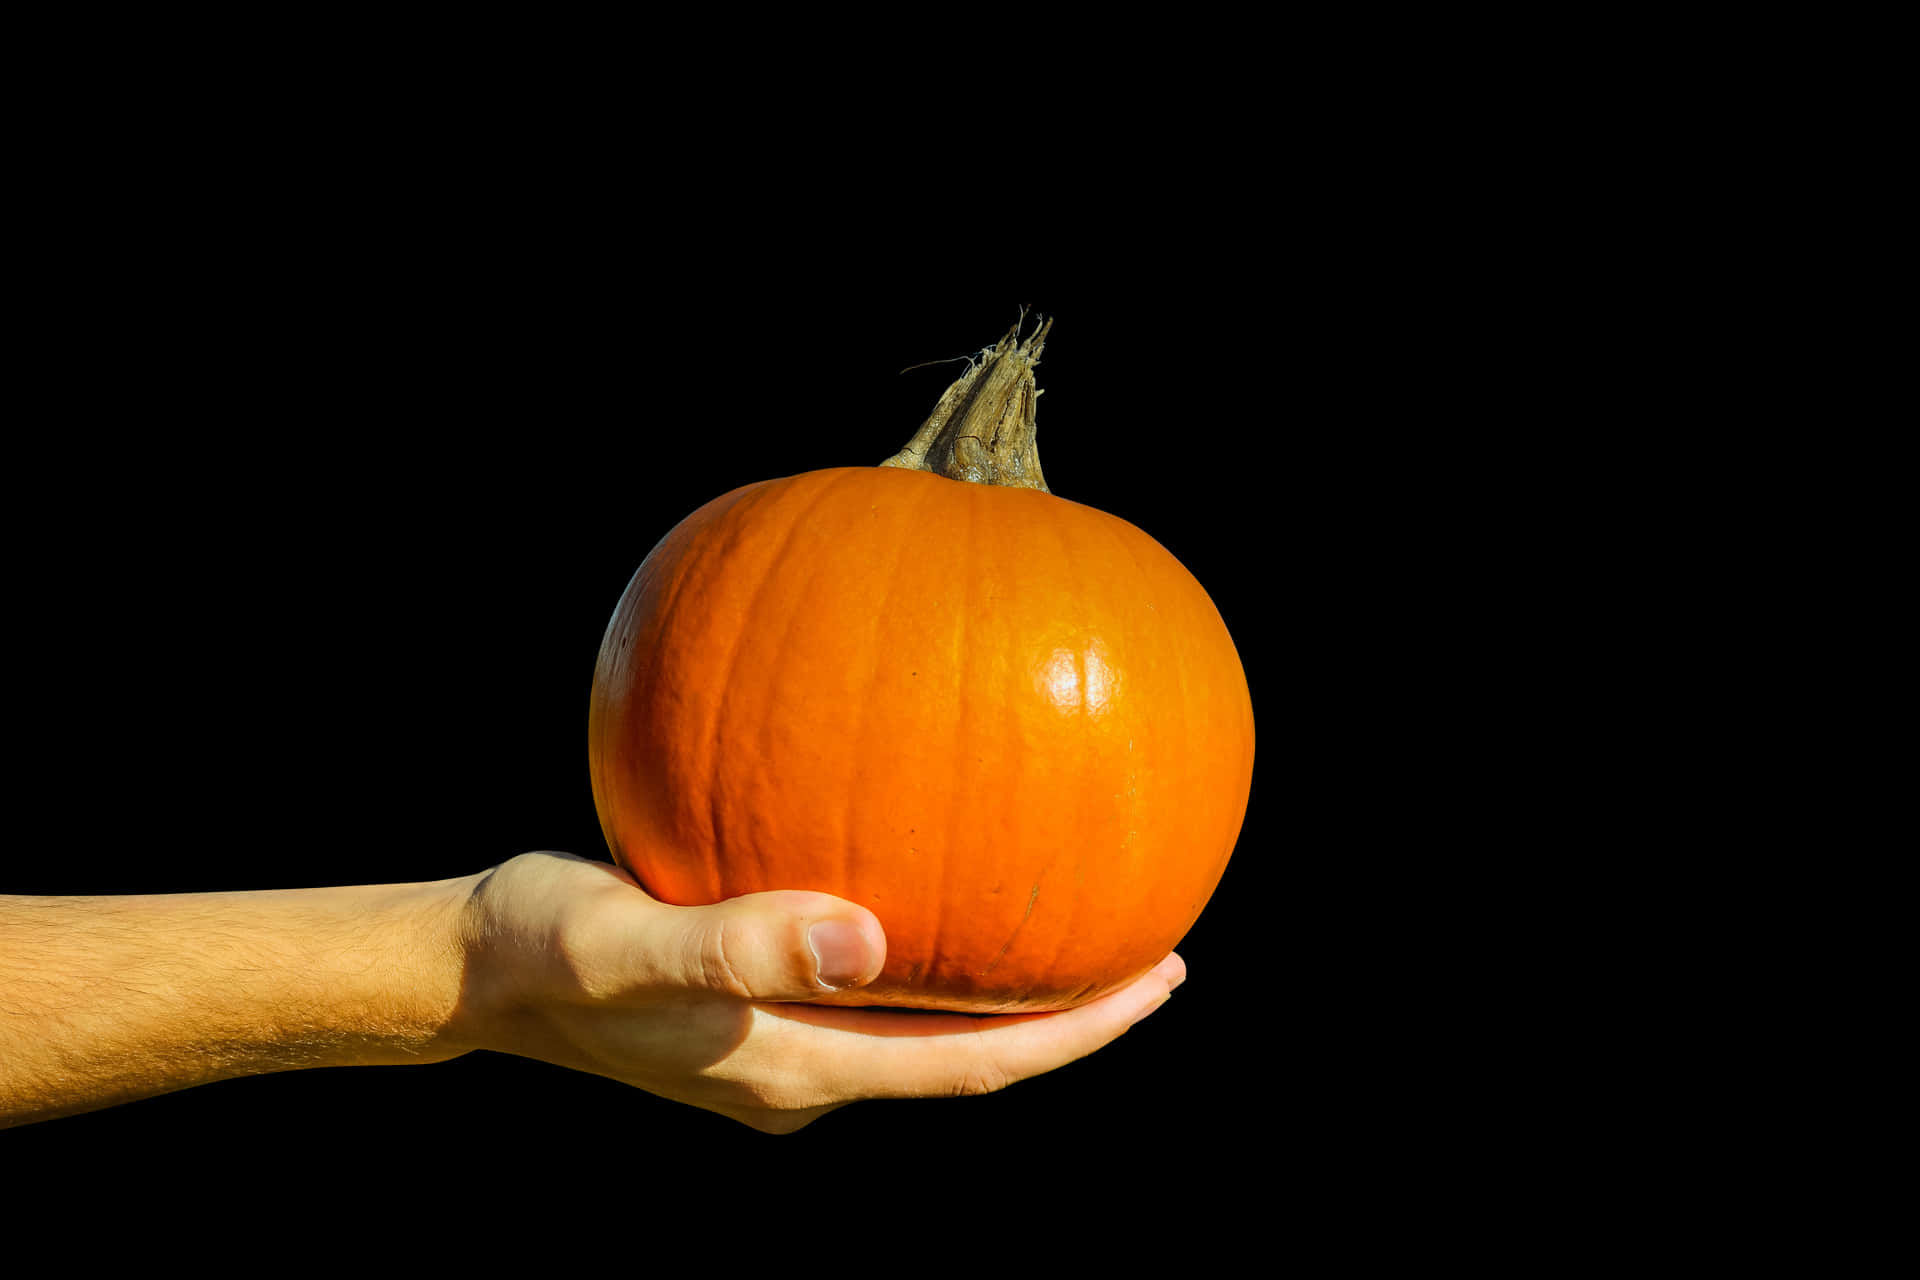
{"x": 718, "y": 963}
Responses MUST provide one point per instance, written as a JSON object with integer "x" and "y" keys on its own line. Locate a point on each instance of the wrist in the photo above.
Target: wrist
{"x": 488, "y": 952}
{"x": 531, "y": 939}
{"x": 409, "y": 1007}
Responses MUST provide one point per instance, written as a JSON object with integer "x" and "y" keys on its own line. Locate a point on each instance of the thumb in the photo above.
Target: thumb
{"x": 782, "y": 945}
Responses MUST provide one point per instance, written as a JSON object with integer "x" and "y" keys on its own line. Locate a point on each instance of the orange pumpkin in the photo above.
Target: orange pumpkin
{"x": 1013, "y": 726}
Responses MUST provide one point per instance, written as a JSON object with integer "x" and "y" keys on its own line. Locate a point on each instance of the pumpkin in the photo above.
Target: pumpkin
{"x": 1013, "y": 726}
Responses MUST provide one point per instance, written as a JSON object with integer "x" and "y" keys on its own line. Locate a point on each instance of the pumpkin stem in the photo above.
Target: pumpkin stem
{"x": 982, "y": 431}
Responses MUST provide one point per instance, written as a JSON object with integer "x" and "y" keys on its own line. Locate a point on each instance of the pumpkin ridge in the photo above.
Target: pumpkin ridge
{"x": 902, "y": 549}
{"x": 1071, "y": 926}
{"x": 676, "y": 571}
{"x": 706, "y": 563}
{"x": 710, "y": 773}
{"x": 815, "y": 567}
{"x": 956, "y": 791}
{"x": 1123, "y": 535}
{"x": 1010, "y": 796}
{"x": 1179, "y": 743}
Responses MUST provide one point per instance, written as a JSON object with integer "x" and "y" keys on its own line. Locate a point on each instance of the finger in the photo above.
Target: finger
{"x": 883, "y": 1053}
{"x": 783, "y": 945}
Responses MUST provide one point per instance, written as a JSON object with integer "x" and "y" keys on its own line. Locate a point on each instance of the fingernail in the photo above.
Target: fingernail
{"x": 839, "y": 953}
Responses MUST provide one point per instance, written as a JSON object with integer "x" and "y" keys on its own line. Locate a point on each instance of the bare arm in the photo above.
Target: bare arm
{"x": 105, "y": 1000}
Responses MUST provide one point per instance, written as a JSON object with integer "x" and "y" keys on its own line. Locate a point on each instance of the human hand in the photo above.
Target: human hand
{"x": 571, "y": 962}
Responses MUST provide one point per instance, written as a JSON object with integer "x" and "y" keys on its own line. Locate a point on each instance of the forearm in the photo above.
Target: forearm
{"x": 105, "y": 1000}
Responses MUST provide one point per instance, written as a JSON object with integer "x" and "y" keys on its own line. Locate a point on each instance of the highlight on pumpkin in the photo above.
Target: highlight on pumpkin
{"x": 1078, "y": 681}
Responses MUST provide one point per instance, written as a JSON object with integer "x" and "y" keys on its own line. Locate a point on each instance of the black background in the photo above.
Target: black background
{"x": 345, "y": 404}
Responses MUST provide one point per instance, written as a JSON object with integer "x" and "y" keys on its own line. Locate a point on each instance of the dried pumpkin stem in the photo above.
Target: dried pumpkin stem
{"x": 983, "y": 429}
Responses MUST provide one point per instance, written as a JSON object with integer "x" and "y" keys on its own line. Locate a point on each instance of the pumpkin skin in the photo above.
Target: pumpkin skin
{"x": 1011, "y": 725}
